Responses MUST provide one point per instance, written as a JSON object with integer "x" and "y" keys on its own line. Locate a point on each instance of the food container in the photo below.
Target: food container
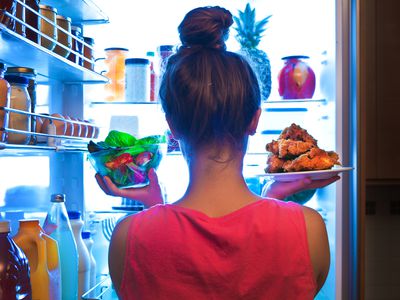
{"x": 63, "y": 37}
{"x": 137, "y": 76}
{"x": 88, "y": 53}
{"x": 10, "y": 7}
{"x": 77, "y": 45}
{"x": 32, "y": 19}
{"x": 128, "y": 166}
{"x": 48, "y": 29}
{"x": 5, "y": 91}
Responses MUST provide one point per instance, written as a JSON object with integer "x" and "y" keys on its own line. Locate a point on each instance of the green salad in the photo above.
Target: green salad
{"x": 125, "y": 158}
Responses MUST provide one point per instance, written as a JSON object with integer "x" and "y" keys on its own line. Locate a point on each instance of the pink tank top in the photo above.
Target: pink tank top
{"x": 257, "y": 252}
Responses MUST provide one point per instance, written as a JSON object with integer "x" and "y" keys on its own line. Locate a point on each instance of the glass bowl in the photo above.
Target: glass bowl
{"x": 128, "y": 167}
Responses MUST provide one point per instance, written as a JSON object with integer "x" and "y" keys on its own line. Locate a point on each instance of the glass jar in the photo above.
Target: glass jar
{"x": 32, "y": 19}
{"x": 20, "y": 14}
{"x": 88, "y": 53}
{"x": 48, "y": 29}
{"x": 115, "y": 65}
{"x": 20, "y": 100}
{"x": 296, "y": 79}
{"x": 30, "y": 74}
{"x": 137, "y": 74}
{"x": 77, "y": 45}
{"x": 8, "y": 6}
{"x": 63, "y": 37}
{"x": 5, "y": 91}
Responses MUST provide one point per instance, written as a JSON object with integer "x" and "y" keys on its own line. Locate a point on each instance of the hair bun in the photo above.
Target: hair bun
{"x": 205, "y": 26}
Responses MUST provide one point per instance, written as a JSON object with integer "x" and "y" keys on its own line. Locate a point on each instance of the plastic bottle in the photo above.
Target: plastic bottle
{"x": 57, "y": 225}
{"x": 14, "y": 268}
{"x": 153, "y": 77}
{"x": 42, "y": 254}
{"x": 83, "y": 253}
{"x": 87, "y": 239}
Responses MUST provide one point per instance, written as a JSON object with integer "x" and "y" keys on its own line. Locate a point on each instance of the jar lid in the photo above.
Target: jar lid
{"x": 150, "y": 53}
{"x": 16, "y": 79}
{"x": 88, "y": 40}
{"x": 48, "y": 7}
{"x": 162, "y": 48}
{"x": 76, "y": 28}
{"x": 74, "y": 215}
{"x": 60, "y": 17}
{"x": 86, "y": 234}
{"x": 295, "y": 57}
{"x": 137, "y": 61}
{"x": 19, "y": 70}
{"x": 5, "y": 226}
{"x": 116, "y": 48}
{"x": 58, "y": 198}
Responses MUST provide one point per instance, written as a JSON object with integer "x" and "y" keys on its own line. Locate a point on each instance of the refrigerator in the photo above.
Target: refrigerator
{"x": 326, "y": 31}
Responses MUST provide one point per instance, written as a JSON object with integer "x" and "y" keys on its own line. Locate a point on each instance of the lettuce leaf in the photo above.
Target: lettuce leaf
{"x": 121, "y": 139}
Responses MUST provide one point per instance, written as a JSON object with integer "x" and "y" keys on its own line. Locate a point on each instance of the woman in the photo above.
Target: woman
{"x": 219, "y": 241}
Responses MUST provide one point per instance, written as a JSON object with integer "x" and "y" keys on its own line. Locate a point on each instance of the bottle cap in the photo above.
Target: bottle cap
{"x": 58, "y": 198}
{"x": 138, "y": 61}
{"x": 86, "y": 234}
{"x": 5, "y": 226}
{"x": 74, "y": 215}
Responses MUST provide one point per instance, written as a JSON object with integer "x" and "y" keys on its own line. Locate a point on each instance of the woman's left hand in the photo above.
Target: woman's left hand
{"x": 281, "y": 190}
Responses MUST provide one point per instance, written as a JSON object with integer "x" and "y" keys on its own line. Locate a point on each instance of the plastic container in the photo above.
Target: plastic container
{"x": 43, "y": 258}
{"x": 57, "y": 225}
{"x": 14, "y": 268}
{"x": 87, "y": 239}
{"x": 20, "y": 28}
{"x": 5, "y": 92}
{"x": 83, "y": 253}
{"x": 63, "y": 37}
{"x": 115, "y": 71}
{"x": 20, "y": 100}
{"x": 48, "y": 29}
{"x": 137, "y": 74}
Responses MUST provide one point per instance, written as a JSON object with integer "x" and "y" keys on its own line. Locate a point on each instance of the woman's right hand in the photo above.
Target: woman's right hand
{"x": 149, "y": 195}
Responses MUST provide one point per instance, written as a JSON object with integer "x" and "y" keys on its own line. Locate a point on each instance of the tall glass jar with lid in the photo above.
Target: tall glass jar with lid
{"x": 19, "y": 100}
{"x": 48, "y": 29}
{"x": 64, "y": 37}
{"x": 5, "y": 90}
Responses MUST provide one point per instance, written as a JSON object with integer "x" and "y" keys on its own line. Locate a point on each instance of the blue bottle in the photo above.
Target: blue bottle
{"x": 58, "y": 226}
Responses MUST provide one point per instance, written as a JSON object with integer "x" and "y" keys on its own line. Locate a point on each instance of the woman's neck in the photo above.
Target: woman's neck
{"x": 216, "y": 186}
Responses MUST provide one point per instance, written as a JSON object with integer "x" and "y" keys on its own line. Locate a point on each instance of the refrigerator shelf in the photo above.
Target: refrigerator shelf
{"x": 17, "y": 50}
{"x": 81, "y": 12}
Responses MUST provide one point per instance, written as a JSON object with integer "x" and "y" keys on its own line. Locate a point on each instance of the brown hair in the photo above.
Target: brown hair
{"x": 210, "y": 95}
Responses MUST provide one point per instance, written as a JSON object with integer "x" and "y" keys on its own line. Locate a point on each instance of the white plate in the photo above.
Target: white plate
{"x": 314, "y": 175}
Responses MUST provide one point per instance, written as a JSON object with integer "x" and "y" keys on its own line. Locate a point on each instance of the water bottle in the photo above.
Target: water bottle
{"x": 14, "y": 268}
{"x": 83, "y": 253}
{"x": 58, "y": 226}
{"x": 87, "y": 239}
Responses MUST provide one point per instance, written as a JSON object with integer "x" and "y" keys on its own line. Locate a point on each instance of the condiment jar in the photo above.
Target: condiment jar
{"x": 77, "y": 45}
{"x": 63, "y": 37}
{"x": 32, "y": 19}
{"x": 88, "y": 53}
{"x": 137, "y": 74}
{"x": 48, "y": 29}
{"x": 5, "y": 91}
{"x": 8, "y": 6}
{"x": 30, "y": 74}
{"x": 20, "y": 14}
{"x": 19, "y": 100}
{"x": 164, "y": 51}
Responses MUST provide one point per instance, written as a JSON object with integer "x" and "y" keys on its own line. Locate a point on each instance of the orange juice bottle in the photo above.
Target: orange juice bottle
{"x": 42, "y": 253}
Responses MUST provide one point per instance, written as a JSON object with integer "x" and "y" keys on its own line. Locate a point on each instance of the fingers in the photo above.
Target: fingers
{"x": 102, "y": 184}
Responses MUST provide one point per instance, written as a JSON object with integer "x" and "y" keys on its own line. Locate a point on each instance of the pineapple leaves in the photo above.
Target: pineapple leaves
{"x": 249, "y": 32}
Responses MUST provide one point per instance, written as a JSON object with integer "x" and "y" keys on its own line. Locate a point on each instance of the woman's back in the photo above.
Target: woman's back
{"x": 257, "y": 252}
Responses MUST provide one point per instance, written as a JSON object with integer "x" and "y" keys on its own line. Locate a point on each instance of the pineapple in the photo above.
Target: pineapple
{"x": 249, "y": 34}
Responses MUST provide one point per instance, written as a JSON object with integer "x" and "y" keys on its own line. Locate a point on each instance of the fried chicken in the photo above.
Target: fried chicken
{"x": 296, "y": 150}
{"x": 315, "y": 159}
